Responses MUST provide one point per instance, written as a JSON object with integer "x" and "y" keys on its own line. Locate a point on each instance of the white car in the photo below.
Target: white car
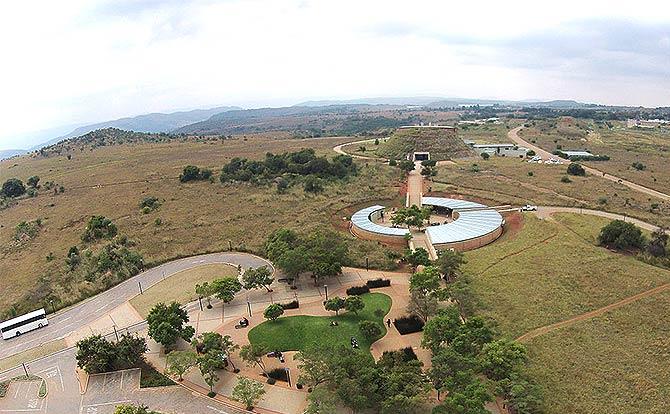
{"x": 528, "y": 207}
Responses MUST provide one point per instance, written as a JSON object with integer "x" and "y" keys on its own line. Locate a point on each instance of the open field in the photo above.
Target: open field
{"x": 625, "y": 146}
{"x": 488, "y": 133}
{"x": 547, "y": 273}
{"x": 194, "y": 218}
{"x": 293, "y": 333}
{"x": 180, "y": 286}
{"x": 614, "y": 364}
{"x": 514, "y": 181}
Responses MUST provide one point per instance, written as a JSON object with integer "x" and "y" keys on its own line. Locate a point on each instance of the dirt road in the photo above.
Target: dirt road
{"x": 513, "y": 134}
{"x": 339, "y": 150}
{"x": 544, "y": 212}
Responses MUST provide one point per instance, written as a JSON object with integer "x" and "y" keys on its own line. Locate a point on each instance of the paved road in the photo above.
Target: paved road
{"x": 546, "y": 211}
{"x": 84, "y": 313}
{"x": 513, "y": 134}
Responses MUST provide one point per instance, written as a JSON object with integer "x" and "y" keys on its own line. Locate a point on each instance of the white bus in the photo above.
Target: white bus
{"x": 24, "y": 323}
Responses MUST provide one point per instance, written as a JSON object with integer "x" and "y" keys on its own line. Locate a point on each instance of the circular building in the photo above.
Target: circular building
{"x": 364, "y": 226}
{"x": 473, "y": 225}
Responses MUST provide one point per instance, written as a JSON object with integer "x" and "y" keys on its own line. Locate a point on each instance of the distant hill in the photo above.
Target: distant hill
{"x": 307, "y": 121}
{"x": 420, "y": 100}
{"x": 4, "y": 154}
{"x": 153, "y": 123}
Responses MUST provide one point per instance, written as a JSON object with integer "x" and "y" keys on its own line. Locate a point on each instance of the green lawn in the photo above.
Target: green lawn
{"x": 294, "y": 333}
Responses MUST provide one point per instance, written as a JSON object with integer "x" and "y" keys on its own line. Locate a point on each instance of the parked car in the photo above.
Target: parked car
{"x": 528, "y": 207}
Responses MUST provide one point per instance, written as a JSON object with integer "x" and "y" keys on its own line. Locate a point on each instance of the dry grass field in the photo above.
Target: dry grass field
{"x": 488, "y": 133}
{"x": 625, "y": 146}
{"x": 194, "y": 218}
{"x": 180, "y": 287}
{"x": 514, "y": 181}
{"x": 551, "y": 271}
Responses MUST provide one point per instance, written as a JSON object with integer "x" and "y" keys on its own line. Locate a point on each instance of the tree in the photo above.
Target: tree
{"x": 472, "y": 336}
{"x": 208, "y": 364}
{"x": 226, "y": 288}
{"x": 99, "y": 227}
{"x": 253, "y": 354}
{"x": 426, "y": 282}
{"x": 167, "y": 323}
{"x": 95, "y": 354}
{"x": 190, "y": 173}
{"x": 441, "y": 329}
{"x": 418, "y": 257}
{"x": 133, "y": 409}
{"x": 315, "y": 364}
{"x": 485, "y": 155}
{"x": 293, "y": 262}
{"x": 130, "y": 350}
{"x": 501, "y": 358}
{"x": 370, "y": 329}
{"x": 313, "y": 184}
{"x": 327, "y": 254}
{"x": 450, "y": 370}
{"x": 522, "y": 394}
{"x": 621, "y": 235}
{"x": 576, "y": 169}
{"x": 206, "y": 290}
{"x": 178, "y": 362}
{"x": 460, "y": 292}
{"x": 273, "y": 311}
{"x": 321, "y": 401}
{"x": 657, "y": 246}
{"x": 248, "y": 392}
{"x": 354, "y": 304}
{"x": 471, "y": 400}
{"x": 334, "y": 304}
{"x": 406, "y": 166}
{"x": 216, "y": 344}
{"x": 424, "y": 306}
{"x": 449, "y": 262}
{"x": 13, "y": 188}
{"x": 260, "y": 277}
{"x": 33, "y": 181}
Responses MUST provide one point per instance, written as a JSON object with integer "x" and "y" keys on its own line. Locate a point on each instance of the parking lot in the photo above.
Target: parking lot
{"x": 106, "y": 391}
{"x": 22, "y": 398}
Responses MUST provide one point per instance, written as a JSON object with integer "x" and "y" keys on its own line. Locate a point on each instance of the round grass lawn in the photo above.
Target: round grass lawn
{"x": 293, "y": 333}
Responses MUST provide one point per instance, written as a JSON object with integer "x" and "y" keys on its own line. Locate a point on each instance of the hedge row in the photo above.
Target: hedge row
{"x": 294, "y": 304}
{"x": 408, "y": 324}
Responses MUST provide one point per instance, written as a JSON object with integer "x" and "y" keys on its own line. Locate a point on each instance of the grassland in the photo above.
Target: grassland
{"x": 548, "y": 273}
{"x": 293, "y": 333}
{"x": 488, "y": 133}
{"x": 625, "y": 146}
{"x": 173, "y": 288}
{"x": 614, "y": 364}
{"x": 551, "y": 271}
{"x": 511, "y": 180}
{"x": 442, "y": 144}
{"x": 194, "y": 218}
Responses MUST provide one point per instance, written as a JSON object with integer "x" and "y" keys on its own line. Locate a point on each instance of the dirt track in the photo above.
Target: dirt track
{"x": 513, "y": 134}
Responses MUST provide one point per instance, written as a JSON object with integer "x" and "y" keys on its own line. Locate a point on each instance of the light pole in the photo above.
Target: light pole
{"x": 288, "y": 376}
{"x": 140, "y": 285}
{"x": 53, "y": 307}
{"x": 200, "y": 302}
{"x": 249, "y": 307}
{"x": 116, "y": 333}
{"x": 325, "y": 287}
{"x": 367, "y": 264}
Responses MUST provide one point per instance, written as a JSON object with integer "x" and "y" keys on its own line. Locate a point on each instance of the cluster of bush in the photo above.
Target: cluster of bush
{"x": 149, "y": 204}
{"x": 284, "y": 168}
{"x": 294, "y": 304}
{"x": 408, "y": 324}
{"x": 370, "y": 284}
{"x": 358, "y": 290}
{"x": 27, "y": 229}
{"x": 99, "y": 227}
{"x": 625, "y": 236}
{"x": 194, "y": 173}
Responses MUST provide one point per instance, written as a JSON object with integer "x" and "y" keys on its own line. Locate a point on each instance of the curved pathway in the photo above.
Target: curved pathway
{"x": 84, "y": 313}
{"x": 339, "y": 150}
{"x": 546, "y": 211}
{"x": 513, "y": 134}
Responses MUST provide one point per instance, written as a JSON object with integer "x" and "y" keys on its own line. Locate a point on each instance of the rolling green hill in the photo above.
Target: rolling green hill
{"x": 443, "y": 144}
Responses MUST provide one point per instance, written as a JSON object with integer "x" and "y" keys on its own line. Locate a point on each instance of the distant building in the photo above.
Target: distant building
{"x": 646, "y": 123}
{"x": 584, "y": 154}
{"x": 500, "y": 150}
{"x": 430, "y": 125}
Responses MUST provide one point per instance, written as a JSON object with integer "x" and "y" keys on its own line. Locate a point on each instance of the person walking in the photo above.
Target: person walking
{"x": 388, "y": 322}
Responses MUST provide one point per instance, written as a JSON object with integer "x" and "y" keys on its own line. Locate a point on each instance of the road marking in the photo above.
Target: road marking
{"x": 101, "y": 308}
{"x": 217, "y": 410}
{"x": 107, "y": 403}
{"x": 198, "y": 261}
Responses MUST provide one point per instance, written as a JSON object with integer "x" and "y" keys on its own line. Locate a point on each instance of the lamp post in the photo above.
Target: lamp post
{"x": 53, "y": 307}
{"x": 200, "y": 302}
{"x": 325, "y": 287}
{"x": 288, "y": 376}
{"x": 140, "y": 285}
{"x": 249, "y": 308}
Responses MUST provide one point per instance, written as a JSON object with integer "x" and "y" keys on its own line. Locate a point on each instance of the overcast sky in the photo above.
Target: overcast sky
{"x": 70, "y": 62}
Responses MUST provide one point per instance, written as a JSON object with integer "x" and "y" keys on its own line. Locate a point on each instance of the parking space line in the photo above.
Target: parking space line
{"x": 106, "y": 403}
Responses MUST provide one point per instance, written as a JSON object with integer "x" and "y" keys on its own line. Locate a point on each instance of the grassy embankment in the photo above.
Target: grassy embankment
{"x": 180, "y": 287}
{"x": 551, "y": 271}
